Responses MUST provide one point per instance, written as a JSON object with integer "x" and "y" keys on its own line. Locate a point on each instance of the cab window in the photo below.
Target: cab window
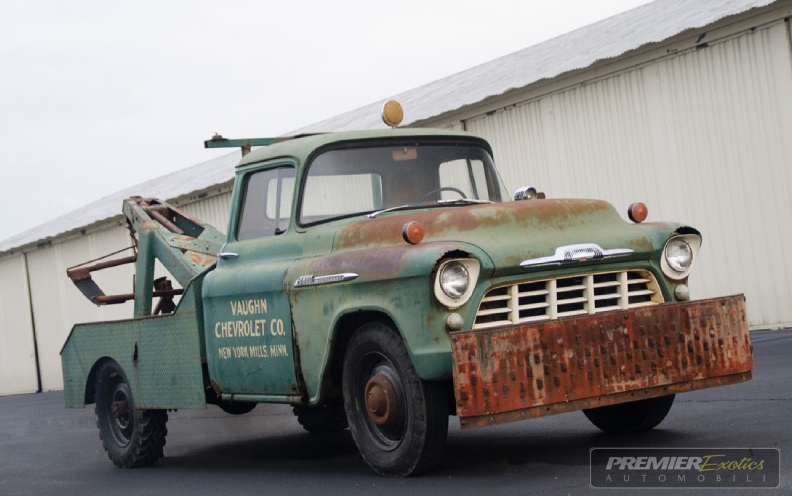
{"x": 266, "y": 203}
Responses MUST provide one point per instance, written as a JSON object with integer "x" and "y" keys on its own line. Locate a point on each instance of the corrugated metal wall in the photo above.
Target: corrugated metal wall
{"x": 17, "y": 352}
{"x": 213, "y": 210}
{"x": 57, "y": 304}
{"x": 703, "y": 137}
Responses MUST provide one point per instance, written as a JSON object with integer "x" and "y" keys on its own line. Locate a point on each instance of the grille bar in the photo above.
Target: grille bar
{"x": 549, "y": 299}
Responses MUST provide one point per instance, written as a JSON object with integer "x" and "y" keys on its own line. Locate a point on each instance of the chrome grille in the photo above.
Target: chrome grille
{"x": 550, "y": 299}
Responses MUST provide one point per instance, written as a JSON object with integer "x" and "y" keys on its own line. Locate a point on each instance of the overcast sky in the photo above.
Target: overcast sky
{"x": 96, "y": 96}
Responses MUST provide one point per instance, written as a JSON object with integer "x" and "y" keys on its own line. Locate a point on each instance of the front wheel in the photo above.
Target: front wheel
{"x": 398, "y": 421}
{"x": 131, "y": 437}
{"x": 634, "y": 416}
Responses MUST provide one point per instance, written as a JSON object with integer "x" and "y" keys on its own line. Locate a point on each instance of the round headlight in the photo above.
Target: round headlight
{"x": 679, "y": 255}
{"x": 454, "y": 280}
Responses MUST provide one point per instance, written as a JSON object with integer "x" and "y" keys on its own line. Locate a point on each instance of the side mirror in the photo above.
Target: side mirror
{"x": 528, "y": 193}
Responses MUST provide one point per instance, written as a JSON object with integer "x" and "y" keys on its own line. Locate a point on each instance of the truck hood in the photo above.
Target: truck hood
{"x": 508, "y": 233}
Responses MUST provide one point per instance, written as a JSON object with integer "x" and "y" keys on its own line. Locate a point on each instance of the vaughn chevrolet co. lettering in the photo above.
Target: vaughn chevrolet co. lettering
{"x": 250, "y": 320}
{"x": 685, "y": 467}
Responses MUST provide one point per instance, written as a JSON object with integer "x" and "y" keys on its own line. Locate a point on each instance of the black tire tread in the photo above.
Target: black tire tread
{"x": 430, "y": 426}
{"x": 635, "y": 416}
{"x": 326, "y": 419}
{"x": 150, "y": 429}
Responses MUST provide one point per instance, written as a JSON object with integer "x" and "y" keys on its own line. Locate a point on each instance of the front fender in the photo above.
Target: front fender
{"x": 395, "y": 282}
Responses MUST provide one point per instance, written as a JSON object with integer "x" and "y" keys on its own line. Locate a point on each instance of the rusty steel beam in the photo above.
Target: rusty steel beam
{"x": 79, "y": 273}
{"x": 598, "y": 401}
{"x": 123, "y": 298}
{"x": 159, "y": 217}
{"x": 538, "y": 369}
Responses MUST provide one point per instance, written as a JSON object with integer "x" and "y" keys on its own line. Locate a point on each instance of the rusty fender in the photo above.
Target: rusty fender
{"x": 532, "y": 370}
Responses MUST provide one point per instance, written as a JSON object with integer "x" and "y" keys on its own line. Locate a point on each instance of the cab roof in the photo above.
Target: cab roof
{"x": 301, "y": 147}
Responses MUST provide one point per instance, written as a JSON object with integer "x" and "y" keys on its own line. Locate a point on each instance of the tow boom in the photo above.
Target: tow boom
{"x": 185, "y": 247}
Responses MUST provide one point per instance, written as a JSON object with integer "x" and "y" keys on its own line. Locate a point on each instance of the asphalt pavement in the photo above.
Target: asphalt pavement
{"x": 46, "y": 449}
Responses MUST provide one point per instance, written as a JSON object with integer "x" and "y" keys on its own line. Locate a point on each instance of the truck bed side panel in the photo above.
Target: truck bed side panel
{"x": 161, "y": 357}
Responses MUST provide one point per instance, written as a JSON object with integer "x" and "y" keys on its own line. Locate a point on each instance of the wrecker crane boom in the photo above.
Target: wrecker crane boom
{"x": 185, "y": 247}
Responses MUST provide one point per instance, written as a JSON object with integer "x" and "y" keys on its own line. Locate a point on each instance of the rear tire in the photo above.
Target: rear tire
{"x": 326, "y": 419}
{"x": 398, "y": 421}
{"x": 634, "y": 416}
{"x": 236, "y": 407}
{"x": 130, "y": 436}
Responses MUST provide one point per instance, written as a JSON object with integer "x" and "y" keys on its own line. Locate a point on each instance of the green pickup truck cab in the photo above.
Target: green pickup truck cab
{"x": 381, "y": 281}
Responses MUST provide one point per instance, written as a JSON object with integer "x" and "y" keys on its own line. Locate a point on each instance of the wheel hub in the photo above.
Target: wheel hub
{"x": 119, "y": 409}
{"x": 380, "y": 400}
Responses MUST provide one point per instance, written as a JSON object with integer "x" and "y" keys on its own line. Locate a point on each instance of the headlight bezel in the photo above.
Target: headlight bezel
{"x": 444, "y": 292}
{"x": 673, "y": 269}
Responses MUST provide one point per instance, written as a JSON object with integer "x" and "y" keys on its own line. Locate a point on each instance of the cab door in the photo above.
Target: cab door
{"x": 247, "y": 317}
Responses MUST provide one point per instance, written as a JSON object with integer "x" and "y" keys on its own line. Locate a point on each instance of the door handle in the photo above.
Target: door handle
{"x": 225, "y": 255}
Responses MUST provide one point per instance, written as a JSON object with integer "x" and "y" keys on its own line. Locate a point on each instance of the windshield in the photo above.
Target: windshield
{"x": 355, "y": 181}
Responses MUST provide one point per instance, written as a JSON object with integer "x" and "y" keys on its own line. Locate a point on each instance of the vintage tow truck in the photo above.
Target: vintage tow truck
{"x": 381, "y": 281}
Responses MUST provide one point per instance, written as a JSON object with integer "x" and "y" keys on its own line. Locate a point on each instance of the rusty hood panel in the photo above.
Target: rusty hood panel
{"x": 508, "y": 232}
{"x": 582, "y": 362}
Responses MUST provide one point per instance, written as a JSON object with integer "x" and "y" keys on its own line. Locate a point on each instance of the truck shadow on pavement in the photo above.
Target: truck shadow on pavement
{"x": 467, "y": 453}
{"x": 292, "y": 452}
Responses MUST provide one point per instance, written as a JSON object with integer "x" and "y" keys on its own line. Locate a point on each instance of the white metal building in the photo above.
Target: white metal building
{"x": 685, "y": 105}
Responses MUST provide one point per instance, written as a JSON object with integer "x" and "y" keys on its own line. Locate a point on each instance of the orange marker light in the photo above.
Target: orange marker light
{"x": 413, "y": 232}
{"x": 637, "y": 212}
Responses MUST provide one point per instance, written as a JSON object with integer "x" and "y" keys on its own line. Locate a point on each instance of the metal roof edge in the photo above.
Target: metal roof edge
{"x": 170, "y": 186}
{"x": 632, "y": 30}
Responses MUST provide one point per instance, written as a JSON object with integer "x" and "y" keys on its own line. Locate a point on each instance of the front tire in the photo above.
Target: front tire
{"x": 634, "y": 416}
{"x": 398, "y": 421}
{"x": 131, "y": 437}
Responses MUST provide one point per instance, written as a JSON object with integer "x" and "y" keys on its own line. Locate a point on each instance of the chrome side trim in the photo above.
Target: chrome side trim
{"x": 311, "y": 280}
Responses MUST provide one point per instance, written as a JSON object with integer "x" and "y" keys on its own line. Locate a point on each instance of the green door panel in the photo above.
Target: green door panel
{"x": 248, "y": 325}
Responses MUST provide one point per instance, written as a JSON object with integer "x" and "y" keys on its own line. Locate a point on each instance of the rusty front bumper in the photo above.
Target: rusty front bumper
{"x": 531, "y": 370}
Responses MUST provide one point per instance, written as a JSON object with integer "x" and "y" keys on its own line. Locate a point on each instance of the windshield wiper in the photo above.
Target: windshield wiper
{"x": 439, "y": 203}
{"x": 463, "y": 201}
{"x": 392, "y": 209}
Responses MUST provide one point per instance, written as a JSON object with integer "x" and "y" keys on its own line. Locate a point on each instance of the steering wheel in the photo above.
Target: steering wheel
{"x": 445, "y": 188}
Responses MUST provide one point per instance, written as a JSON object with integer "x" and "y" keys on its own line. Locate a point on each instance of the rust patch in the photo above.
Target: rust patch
{"x": 385, "y": 262}
{"x": 441, "y": 223}
{"x": 539, "y": 369}
{"x": 202, "y": 259}
{"x": 611, "y": 399}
